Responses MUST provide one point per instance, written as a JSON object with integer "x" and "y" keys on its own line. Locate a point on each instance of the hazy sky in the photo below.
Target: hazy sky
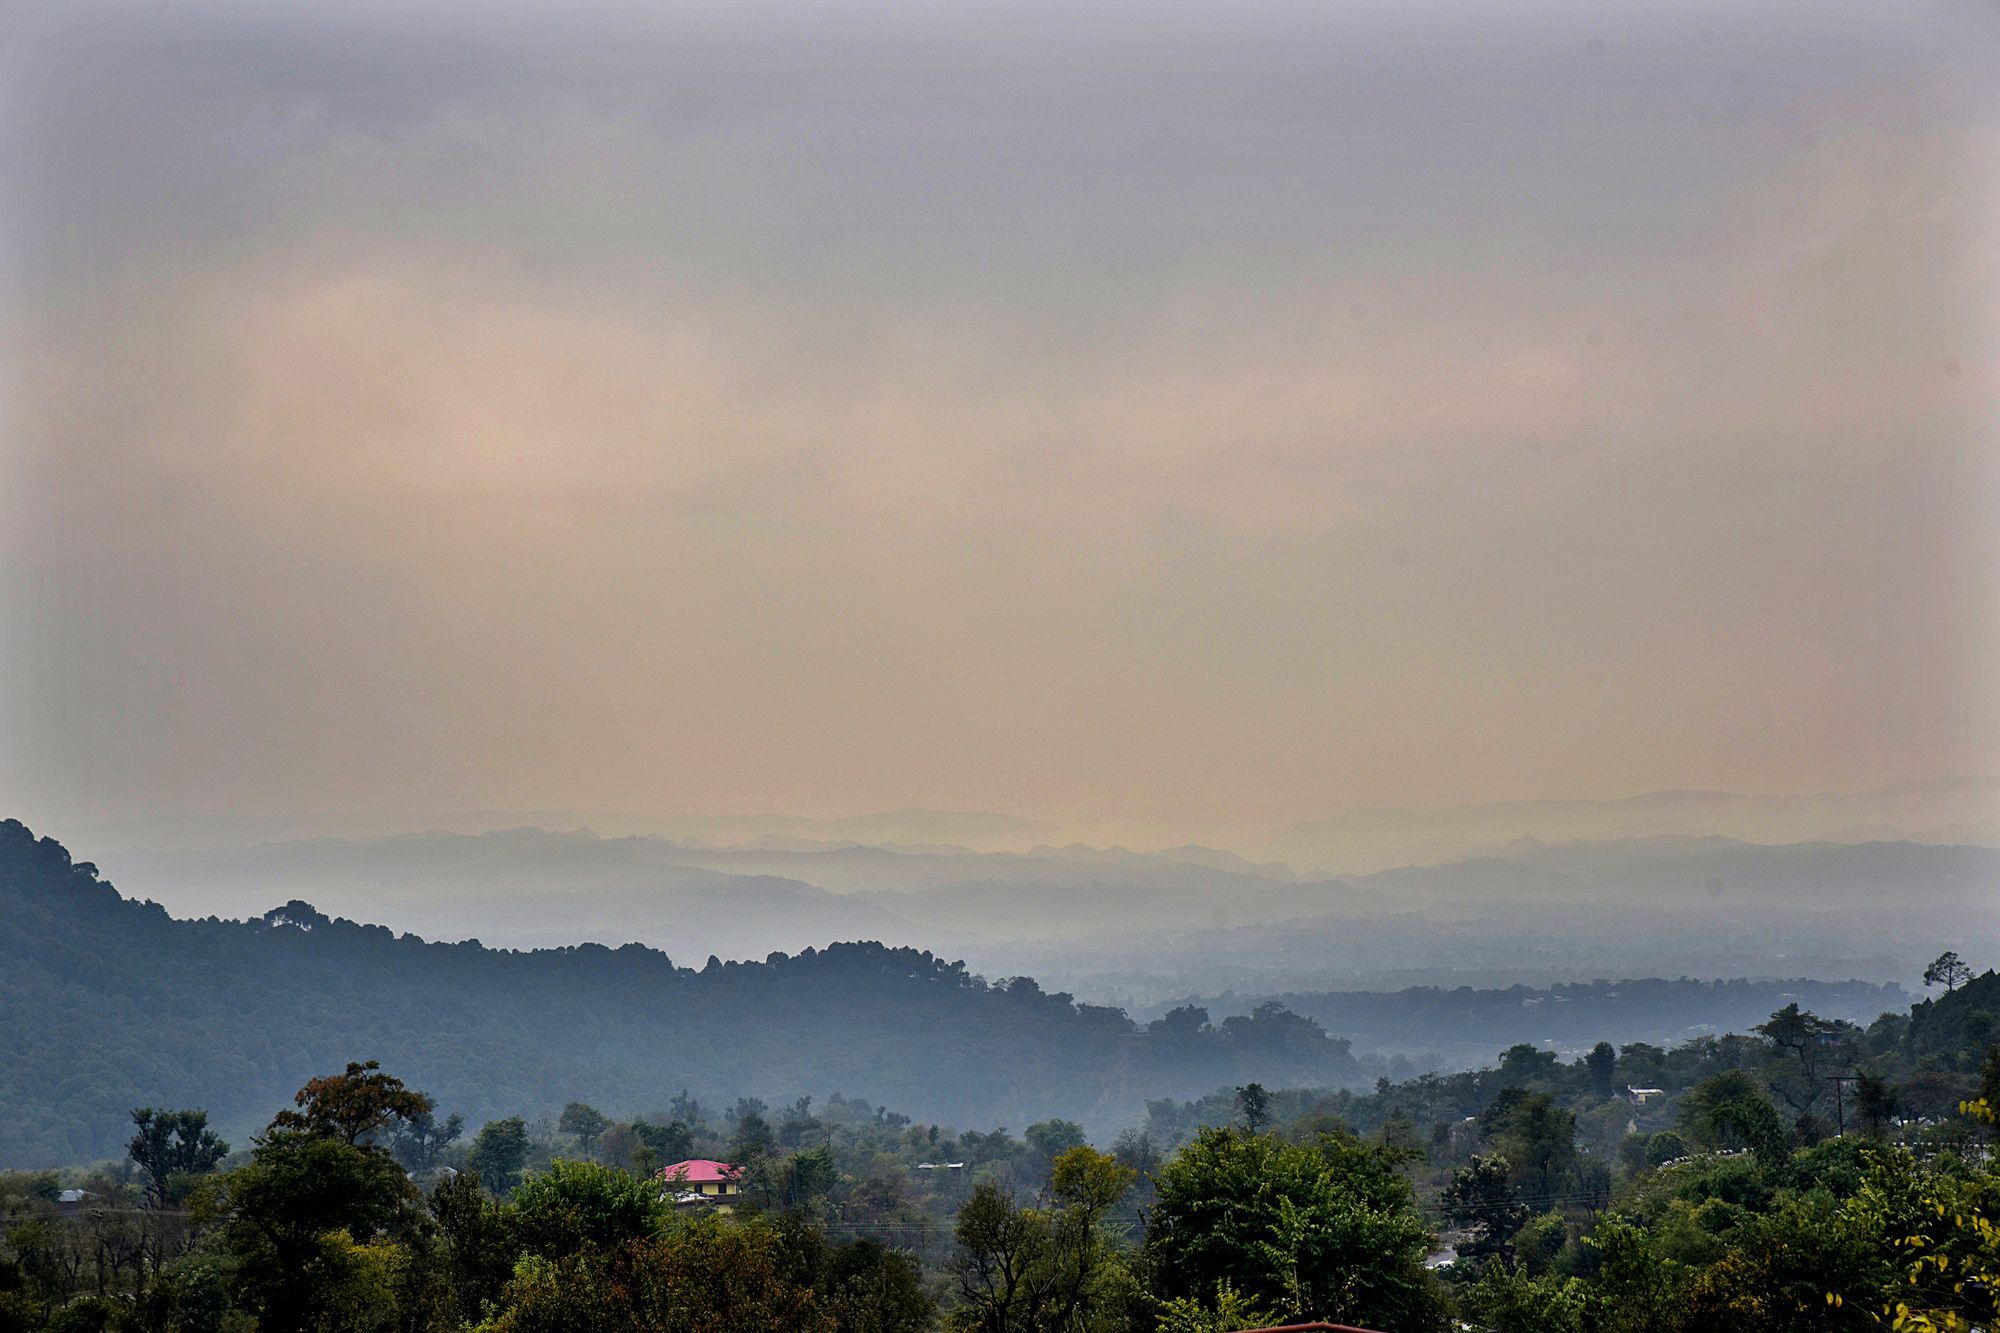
{"x": 1205, "y": 412}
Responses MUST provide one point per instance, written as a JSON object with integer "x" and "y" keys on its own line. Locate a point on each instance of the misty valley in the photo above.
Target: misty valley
{"x": 889, "y": 1139}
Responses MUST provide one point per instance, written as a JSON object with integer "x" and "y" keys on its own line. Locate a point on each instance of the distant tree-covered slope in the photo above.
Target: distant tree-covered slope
{"x": 110, "y": 1003}
{"x": 1465, "y": 1026}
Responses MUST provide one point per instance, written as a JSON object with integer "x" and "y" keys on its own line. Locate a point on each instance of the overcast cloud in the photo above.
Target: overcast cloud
{"x": 1208, "y": 414}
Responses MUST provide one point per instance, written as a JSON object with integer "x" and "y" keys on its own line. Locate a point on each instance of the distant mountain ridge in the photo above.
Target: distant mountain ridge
{"x": 1963, "y": 810}
{"x": 528, "y": 887}
{"x": 973, "y": 829}
{"x": 1358, "y": 841}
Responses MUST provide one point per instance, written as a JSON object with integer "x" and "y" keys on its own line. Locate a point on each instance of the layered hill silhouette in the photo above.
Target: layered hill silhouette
{"x": 1938, "y": 810}
{"x": 113, "y": 1003}
{"x": 1121, "y": 927}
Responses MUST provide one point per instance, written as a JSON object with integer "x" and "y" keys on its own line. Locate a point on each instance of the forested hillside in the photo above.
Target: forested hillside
{"x": 111, "y": 1003}
{"x": 1808, "y": 1177}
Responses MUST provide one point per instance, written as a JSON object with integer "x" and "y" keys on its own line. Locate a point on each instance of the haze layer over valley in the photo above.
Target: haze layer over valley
{"x": 1664, "y": 894}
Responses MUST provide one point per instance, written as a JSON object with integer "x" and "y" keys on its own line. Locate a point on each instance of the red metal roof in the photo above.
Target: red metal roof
{"x": 698, "y": 1171}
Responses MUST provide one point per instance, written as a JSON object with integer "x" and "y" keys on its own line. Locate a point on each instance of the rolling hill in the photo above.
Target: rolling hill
{"x": 112, "y": 1003}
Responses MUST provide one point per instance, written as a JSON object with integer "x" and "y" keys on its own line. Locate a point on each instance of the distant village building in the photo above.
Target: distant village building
{"x": 1639, "y": 1096}
{"x": 701, "y": 1182}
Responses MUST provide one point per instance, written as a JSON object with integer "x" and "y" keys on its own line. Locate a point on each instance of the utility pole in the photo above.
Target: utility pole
{"x": 1839, "y": 1108}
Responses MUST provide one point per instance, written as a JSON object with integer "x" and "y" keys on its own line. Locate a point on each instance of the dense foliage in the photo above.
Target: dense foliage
{"x": 320, "y": 1226}
{"x": 1326, "y": 1229}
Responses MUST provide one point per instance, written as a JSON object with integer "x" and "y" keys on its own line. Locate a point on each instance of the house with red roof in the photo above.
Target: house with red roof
{"x": 701, "y": 1183}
